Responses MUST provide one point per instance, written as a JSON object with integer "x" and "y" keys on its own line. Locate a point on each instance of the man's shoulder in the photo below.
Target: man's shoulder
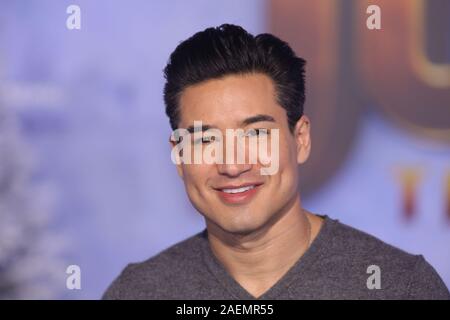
{"x": 347, "y": 240}
{"x": 177, "y": 257}
{"x": 359, "y": 255}
{"x": 160, "y": 273}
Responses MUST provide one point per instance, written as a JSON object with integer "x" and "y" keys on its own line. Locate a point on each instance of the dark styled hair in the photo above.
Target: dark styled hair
{"x": 229, "y": 49}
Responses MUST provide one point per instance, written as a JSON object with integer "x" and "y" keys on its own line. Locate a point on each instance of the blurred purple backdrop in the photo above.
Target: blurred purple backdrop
{"x": 85, "y": 110}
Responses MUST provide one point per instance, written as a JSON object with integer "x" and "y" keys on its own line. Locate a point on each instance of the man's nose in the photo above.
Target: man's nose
{"x": 233, "y": 170}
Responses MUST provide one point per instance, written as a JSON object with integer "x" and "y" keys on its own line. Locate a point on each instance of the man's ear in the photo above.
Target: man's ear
{"x": 178, "y": 164}
{"x": 302, "y": 137}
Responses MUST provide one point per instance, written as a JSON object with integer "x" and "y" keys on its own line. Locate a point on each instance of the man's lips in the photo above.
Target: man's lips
{"x": 238, "y": 194}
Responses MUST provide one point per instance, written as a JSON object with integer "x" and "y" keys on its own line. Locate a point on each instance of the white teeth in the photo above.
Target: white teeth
{"x": 238, "y": 190}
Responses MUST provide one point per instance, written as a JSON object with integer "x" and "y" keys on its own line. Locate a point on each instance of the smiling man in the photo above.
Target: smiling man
{"x": 259, "y": 241}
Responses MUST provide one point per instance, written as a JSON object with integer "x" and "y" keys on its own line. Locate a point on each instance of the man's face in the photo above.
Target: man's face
{"x": 219, "y": 191}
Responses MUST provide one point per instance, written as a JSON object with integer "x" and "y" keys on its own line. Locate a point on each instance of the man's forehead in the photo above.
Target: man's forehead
{"x": 226, "y": 101}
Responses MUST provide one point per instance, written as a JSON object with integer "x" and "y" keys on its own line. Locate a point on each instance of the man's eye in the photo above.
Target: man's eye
{"x": 205, "y": 140}
{"x": 257, "y": 132}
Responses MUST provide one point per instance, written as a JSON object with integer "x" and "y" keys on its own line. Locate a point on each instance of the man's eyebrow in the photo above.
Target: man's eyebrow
{"x": 245, "y": 122}
{"x": 258, "y": 118}
{"x": 204, "y": 127}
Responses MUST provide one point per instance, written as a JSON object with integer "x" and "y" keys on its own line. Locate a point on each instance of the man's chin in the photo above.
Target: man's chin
{"x": 241, "y": 228}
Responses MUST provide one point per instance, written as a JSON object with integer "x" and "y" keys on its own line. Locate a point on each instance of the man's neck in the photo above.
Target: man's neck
{"x": 259, "y": 259}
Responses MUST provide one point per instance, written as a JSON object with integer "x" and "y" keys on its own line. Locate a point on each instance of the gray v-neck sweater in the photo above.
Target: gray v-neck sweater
{"x": 337, "y": 265}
